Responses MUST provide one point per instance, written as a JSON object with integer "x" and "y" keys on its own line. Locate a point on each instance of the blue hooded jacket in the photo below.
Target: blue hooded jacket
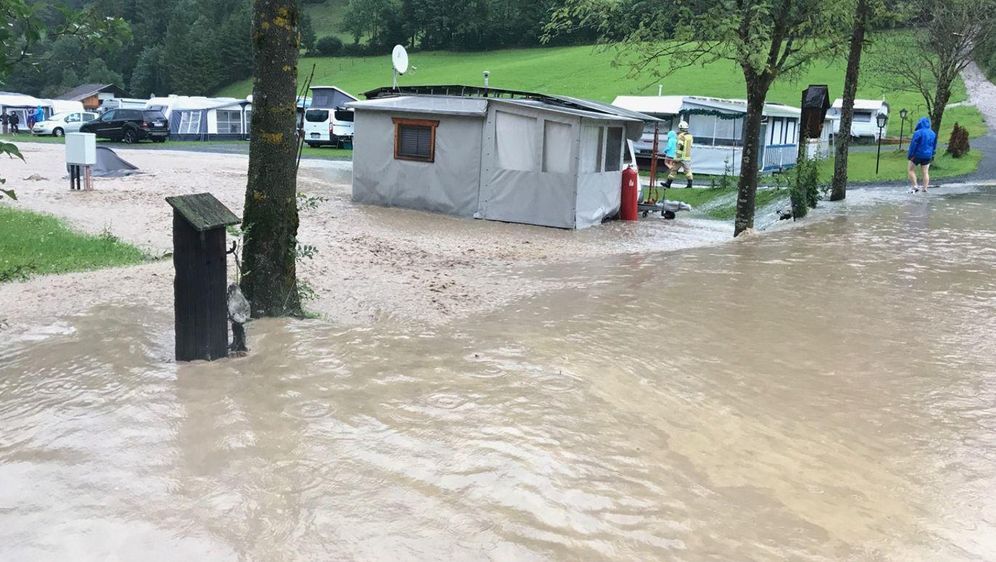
{"x": 671, "y": 148}
{"x": 924, "y": 141}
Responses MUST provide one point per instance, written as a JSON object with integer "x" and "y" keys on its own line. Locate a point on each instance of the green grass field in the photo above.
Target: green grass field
{"x": 861, "y": 166}
{"x": 587, "y": 72}
{"x": 31, "y": 244}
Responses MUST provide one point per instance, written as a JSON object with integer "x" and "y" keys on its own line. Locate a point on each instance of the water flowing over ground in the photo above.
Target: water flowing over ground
{"x": 826, "y": 392}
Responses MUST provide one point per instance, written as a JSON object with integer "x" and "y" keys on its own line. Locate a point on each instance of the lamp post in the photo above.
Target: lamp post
{"x": 902, "y": 121}
{"x": 881, "y": 120}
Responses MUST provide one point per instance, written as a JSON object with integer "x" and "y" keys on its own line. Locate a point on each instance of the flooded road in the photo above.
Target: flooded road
{"x": 823, "y": 393}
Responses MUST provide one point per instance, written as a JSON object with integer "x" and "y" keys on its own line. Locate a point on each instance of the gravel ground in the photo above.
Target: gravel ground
{"x": 981, "y": 93}
{"x": 372, "y": 264}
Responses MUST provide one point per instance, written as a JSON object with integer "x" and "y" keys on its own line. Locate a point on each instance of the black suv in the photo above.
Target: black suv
{"x": 130, "y": 125}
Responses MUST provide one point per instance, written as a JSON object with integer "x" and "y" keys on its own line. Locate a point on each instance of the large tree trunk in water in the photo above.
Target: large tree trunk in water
{"x": 747, "y": 186}
{"x": 839, "y": 185}
{"x": 270, "y": 219}
{"x": 940, "y": 104}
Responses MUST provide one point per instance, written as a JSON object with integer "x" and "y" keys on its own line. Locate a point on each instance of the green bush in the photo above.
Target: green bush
{"x": 329, "y": 46}
{"x": 958, "y": 143}
{"x": 805, "y": 186}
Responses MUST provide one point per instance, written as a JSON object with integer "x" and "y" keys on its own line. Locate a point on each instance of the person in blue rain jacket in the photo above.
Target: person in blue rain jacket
{"x": 923, "y": 145}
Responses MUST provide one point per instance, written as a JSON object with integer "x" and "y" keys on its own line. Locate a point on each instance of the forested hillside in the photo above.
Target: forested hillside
{"x": 174, "y": 46}
{"x": 196, "y": 47}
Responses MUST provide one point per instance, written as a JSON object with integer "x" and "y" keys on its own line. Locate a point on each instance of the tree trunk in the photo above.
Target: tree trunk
{"x": 757, "y": 91}
{"x": 940, "y": 104}
{"x": 843, "y": 138}
{"x": 270, "y": 219}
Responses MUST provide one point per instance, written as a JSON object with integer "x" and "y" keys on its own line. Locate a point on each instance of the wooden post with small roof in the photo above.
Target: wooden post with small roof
{"x": 199, "y": 288}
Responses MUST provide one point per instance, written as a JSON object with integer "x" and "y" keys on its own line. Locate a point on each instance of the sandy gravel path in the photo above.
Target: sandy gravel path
{"x": 372, "y": 264}
{"x": 981, "y": 92}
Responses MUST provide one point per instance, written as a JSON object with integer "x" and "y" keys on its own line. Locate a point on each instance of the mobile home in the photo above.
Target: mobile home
{"x": 717, "y": 127}
{"x": 864, "y": 123}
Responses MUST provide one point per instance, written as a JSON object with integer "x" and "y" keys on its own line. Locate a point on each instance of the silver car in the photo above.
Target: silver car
{"x": 62, "y": 123}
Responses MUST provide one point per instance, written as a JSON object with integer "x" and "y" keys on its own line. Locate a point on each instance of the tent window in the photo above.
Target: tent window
{"x": 557, "y": 141}
{"x": 190, "y": 123}
{"x": 415, "y": 139}
{"x": 229, "y": 121}
{"x": 613, "y": 149}
{"x": 591, "y": 149}
{"x": 862, "y": 117}
{"x": 516, "y": 139}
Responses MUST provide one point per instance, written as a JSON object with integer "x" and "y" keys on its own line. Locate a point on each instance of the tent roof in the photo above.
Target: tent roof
{"x": 80, "y": 93}
{"x": 672, "y": 105}
{"x": 203, "y": 211}
{"x": 180, "y": 103}
{"x": 437, "y": 105}
{"x": 336, "y": 88}
{"x": 866, "y": 105}
{"x": 477, "y": 92}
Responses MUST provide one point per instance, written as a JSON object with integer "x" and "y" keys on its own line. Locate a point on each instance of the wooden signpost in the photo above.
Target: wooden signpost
{"x": 199, "y": 288}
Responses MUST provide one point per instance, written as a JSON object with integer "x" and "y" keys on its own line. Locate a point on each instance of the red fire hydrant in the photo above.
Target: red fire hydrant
{"x": 628, "y": 208}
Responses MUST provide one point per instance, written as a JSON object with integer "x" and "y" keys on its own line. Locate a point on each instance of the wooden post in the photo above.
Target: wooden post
{"x": 653, "y": 161}
{"x": 199, "y": 288}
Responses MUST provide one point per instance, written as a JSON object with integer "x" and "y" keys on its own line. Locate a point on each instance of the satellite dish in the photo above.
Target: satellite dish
{"x": 399, "y": 57}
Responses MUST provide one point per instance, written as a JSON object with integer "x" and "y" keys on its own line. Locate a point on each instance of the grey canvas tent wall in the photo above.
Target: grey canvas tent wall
{"x": 532, "y": 161}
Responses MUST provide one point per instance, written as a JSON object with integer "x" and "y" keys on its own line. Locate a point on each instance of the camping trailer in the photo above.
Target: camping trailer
{"x": 864, "y": 123}
{"x": 510, "y": 156}
{"x": 203, "y": 118}
{"x": 717, "y": 126}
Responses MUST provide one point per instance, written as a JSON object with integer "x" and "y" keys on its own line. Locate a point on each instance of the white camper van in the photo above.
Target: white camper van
{"x": 327, "y": 121}
{"x": 324, "y": 127}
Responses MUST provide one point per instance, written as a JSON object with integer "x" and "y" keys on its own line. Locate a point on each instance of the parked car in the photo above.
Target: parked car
{"x": 62, "y": 123}
{"x": 328, "y": 127}
{"x": 130, "y": 125}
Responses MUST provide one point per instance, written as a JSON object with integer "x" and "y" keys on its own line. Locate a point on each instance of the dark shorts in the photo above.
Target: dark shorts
{"x": 921, "y": 161}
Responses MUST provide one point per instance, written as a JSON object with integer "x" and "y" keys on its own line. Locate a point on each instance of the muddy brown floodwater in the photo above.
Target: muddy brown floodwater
{"x": 822, "y": 393}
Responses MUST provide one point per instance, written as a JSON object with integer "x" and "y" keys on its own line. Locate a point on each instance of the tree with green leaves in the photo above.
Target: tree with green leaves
{"x": 767, "y": 39}
{"x": 270, "y": 218}
{"x": 928, "y": 58}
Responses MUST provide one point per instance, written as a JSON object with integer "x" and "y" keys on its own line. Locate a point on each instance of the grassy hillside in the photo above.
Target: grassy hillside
{"x": 587, "y": 72}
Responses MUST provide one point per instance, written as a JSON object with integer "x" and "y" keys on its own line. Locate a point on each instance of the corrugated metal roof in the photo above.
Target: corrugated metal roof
{"x": 439, "y": 105}
{"x": 656, "y": 105}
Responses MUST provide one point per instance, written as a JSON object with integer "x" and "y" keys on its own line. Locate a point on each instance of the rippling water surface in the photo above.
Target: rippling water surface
{"x": 824, "y": 393}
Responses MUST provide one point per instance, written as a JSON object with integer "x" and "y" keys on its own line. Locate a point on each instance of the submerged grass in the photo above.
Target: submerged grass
{"x": 32, "y": 243}
{"x": 721, "y": 203}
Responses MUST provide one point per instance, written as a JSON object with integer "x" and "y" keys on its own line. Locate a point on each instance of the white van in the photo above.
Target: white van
{"x": 324, "y": 127}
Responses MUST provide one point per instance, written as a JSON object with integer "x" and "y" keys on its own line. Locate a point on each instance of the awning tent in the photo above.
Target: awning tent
{"x": 529, "y": 159}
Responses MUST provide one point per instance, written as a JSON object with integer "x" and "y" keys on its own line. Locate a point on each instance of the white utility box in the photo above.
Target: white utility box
{"x": 81, "y": 149}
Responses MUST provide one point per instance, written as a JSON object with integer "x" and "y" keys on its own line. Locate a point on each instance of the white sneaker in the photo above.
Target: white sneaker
{"x": 913, "y": 189}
